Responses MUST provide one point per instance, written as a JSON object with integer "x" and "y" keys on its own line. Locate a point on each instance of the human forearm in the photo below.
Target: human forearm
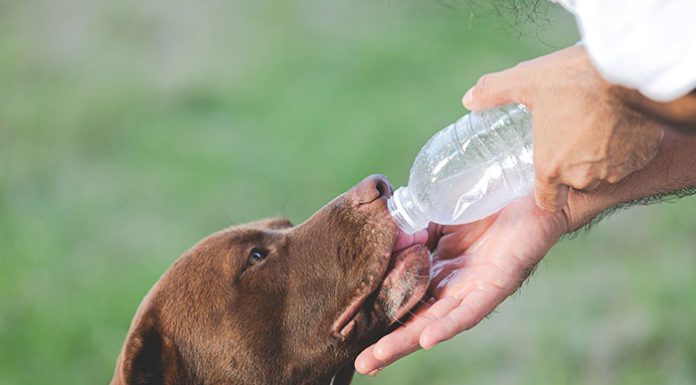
{"x": 673, "y": 169}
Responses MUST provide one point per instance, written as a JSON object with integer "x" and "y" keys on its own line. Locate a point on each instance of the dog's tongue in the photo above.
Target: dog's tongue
{"x": 404, "y": 240}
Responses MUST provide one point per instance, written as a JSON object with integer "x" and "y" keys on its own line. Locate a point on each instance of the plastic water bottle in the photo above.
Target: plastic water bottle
{"x": 468, "y": 170}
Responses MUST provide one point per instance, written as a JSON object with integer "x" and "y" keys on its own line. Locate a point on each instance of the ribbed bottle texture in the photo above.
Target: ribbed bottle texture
{"x": 468, "y": 170}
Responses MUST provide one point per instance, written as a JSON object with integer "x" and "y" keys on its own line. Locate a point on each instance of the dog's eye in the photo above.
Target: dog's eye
{"x": 256, "y": 255}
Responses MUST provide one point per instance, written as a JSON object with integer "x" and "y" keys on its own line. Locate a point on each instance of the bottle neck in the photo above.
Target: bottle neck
{"x": 407, "y": 213}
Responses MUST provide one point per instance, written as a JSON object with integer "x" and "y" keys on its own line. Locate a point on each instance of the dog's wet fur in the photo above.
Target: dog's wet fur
{"x": 272, "y": 303}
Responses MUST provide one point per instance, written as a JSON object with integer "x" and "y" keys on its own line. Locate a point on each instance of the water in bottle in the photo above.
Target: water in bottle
{"x": 468, "y": 170}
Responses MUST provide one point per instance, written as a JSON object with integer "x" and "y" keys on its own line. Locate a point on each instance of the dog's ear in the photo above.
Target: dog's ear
{"x": 272, "y": 223}
{"x": 148, "y": 357}
{"x": 344, "y": 376}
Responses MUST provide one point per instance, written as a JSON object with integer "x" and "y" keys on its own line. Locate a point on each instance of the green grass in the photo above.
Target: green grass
{"x": 129, "y": 130}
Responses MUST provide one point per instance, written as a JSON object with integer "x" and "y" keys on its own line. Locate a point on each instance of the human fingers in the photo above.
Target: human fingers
{"x": 453, "y": 240}
{"x": 403, "y": 340}
{"x": 472, "y": 308}
{"x": 591, "y": 186}
{"x": 366, "y": 363}
{"x": 550, "y": 195}
{"x": 498, "y": 88}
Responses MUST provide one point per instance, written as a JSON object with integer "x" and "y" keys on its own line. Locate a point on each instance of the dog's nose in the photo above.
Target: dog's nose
{"x": 371, "y": 188}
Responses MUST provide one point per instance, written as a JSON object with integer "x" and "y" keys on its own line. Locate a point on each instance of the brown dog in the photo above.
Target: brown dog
{"x": 269, "y": 303}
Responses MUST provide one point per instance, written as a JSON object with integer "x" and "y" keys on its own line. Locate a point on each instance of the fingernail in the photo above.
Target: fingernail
{"x": 467, "y": 99}
{"x": 427, "y": 344}
{"x": 374, "y": 372}
{"x": 359, "y": 367}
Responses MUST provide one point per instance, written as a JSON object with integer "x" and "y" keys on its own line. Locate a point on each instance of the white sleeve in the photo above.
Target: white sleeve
{"x": 648, "y": 45}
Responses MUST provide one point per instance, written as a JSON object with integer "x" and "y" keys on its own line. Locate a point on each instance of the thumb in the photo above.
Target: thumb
{"x": 550, "y": 196}
{"x": 496, "y": 89}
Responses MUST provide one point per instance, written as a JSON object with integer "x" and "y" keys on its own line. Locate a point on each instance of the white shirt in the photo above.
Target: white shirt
{"x": 648, "y": 45}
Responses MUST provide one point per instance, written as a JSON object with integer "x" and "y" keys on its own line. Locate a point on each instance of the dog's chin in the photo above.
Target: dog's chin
{"x": 401, "y": 275}
{"x": 405, "y": 282}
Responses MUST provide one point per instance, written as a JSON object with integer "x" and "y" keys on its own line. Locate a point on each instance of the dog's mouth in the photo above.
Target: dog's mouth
{"x": 407, "y": 276}
{"x": 404, "y": 280}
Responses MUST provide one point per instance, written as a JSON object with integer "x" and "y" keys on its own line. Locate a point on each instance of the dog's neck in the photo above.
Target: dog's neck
{"x": 344, "y": 376}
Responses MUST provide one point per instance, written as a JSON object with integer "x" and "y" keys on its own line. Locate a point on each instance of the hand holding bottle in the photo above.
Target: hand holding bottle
{"x": 585, "y": 132}
{"x": 477, "y": 265}
{"x": 468, "y": 170}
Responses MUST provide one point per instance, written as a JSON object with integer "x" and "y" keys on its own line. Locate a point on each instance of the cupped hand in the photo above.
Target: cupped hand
{"x": 586, "y": 130}
{"x": 475, "y": 267}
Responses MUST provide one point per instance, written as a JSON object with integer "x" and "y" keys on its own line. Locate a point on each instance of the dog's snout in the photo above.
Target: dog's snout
{"x": 372, "y": 188}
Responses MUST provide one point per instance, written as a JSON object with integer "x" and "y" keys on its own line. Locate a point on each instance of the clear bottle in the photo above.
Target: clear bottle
{"x": 469, "y": 170}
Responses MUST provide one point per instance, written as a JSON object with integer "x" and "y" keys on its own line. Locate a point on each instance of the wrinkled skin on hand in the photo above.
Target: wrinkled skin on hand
{"x": 475, "y": 267}
{"x": 585, "y": 129}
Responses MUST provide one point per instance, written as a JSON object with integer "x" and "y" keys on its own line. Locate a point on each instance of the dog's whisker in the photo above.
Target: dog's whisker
{"x": 398, "y": 321}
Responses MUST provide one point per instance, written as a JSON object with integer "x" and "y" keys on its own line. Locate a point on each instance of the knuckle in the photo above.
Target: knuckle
{"x": 523, "y": 68}
{"x": 546, "y": 175}
{"x": 524, "y": 65}
{"x": 450, "y": 326}
{"x": 614, "y": 178}
{"x": 547, "y": 169}
{"x": 583, "y": 181}
{"x": 617, "y": 175}
{"x": 470, "y": 321}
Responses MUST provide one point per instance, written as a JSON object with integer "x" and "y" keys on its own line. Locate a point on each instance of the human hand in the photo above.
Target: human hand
{"x": 585, "y": 131}
{"x": 475, "y": 267}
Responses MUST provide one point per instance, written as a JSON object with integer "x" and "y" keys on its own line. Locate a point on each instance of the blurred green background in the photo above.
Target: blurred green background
{"x": 131, "y": 129}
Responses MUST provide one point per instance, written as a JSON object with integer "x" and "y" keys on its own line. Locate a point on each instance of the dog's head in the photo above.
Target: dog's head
{"x": 269, "y": 303}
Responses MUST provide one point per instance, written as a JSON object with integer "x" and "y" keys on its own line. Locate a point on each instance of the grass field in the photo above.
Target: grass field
{"x": 129, "y": 130}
